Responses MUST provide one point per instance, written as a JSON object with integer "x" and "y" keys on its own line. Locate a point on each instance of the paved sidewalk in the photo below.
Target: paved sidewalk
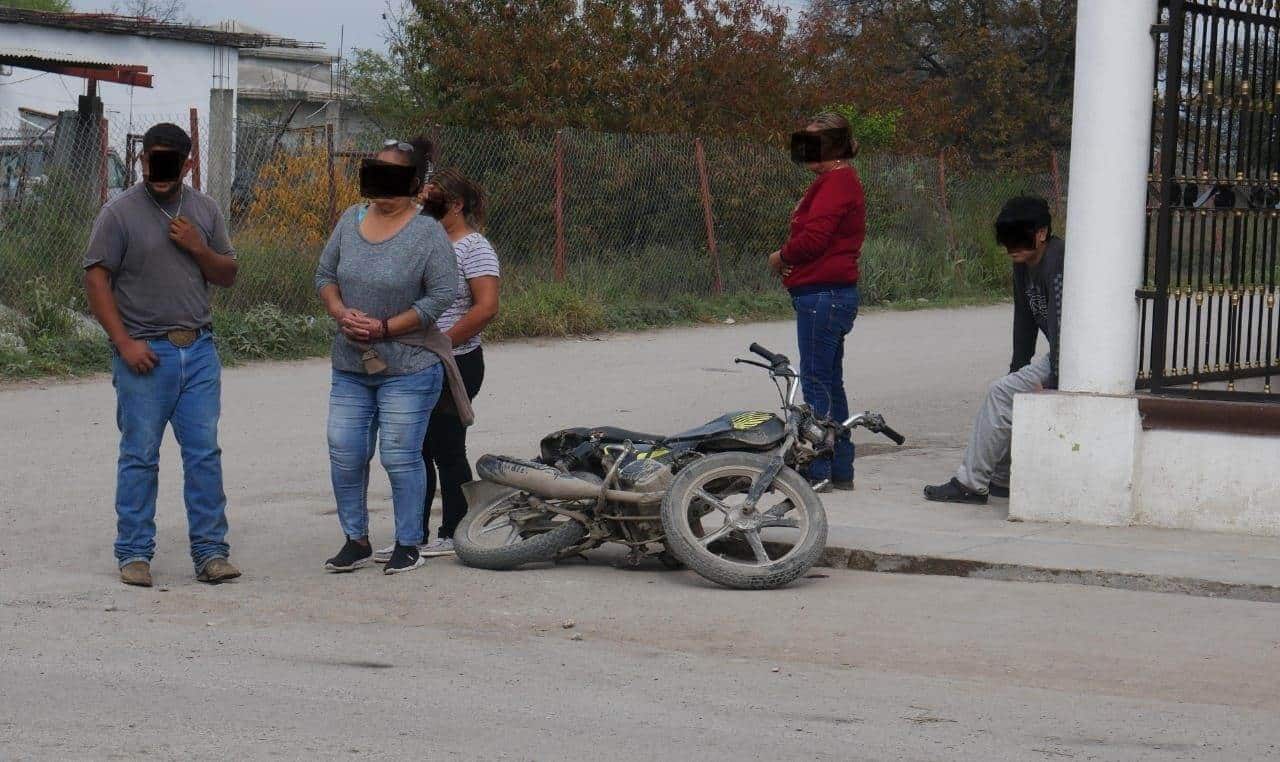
{"x": 885, "y": 525}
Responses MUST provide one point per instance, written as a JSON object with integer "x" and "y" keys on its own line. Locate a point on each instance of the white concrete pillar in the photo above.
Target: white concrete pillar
{"x": 220, "y": 162}
{"x": 1075, "y": 451}
{"x": 1106, "y": 212}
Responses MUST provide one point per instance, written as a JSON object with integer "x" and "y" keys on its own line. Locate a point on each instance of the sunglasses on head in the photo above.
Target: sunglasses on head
{"x": 399, "y": 145}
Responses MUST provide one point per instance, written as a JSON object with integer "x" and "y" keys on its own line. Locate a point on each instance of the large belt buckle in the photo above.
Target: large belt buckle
{"x": 182, "y": 338}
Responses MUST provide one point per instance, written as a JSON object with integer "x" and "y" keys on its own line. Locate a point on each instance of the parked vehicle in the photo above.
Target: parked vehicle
{"x": 24, "y": 166}
{"x": 725, "y": 499}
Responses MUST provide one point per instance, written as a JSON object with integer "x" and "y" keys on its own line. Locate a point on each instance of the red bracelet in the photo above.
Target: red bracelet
{"x": 386, "y": 329}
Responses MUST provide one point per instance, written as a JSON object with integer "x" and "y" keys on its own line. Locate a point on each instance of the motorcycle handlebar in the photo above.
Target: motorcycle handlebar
{"x": 773, "y": 358}
{"x": 897, "y": 438}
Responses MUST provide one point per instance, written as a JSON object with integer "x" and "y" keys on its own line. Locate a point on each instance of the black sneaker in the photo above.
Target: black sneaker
{"x": 404, "y": 558}
{"x": 352, "y": 556}
{"x": 843, "y": 486}
{"x": 998, "y": 490}
{"x": 954, "y": 492}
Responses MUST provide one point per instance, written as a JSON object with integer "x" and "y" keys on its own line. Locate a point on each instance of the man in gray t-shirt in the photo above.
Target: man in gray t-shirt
{"x": 154, "y": 253}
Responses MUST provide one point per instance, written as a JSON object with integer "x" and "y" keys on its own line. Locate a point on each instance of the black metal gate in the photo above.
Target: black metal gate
{"x": 1208, "y": 302}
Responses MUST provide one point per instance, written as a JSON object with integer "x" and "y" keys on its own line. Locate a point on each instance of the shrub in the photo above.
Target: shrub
{"x": 290, "y": 206}
{"x": 266, "y": 331}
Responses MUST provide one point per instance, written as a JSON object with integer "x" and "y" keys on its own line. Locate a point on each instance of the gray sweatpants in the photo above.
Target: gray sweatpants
{"x": 986, "y": 461}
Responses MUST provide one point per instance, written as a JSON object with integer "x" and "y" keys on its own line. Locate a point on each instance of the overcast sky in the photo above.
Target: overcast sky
{"x": 307, "y": 20}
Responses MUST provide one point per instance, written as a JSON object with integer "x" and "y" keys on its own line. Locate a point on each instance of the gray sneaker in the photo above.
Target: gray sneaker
{"x": 383, "y": 555}
{"x": 441, "y": 546}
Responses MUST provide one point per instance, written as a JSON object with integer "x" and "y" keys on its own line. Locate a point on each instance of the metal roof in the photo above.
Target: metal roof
{"x": 139, "y": 26}
{"x": 15, "y": 55}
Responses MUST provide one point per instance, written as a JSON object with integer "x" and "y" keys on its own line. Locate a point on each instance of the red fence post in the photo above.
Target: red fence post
{"x": 717, "y": 282}
{"x": 195, "y": 148}
{"x": 102, "y": 160}
{"x": 333, "y": 196}
{"x": 559, "y": 207}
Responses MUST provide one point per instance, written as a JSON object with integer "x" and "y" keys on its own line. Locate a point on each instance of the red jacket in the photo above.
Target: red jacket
{"x": 827, "y": 230}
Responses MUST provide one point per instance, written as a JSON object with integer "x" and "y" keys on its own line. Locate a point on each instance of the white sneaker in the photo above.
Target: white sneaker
{"x": 384, "y": 555}
{"x": 441, "y": 546}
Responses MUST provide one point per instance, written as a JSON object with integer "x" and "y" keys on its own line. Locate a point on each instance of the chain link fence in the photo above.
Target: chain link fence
{"x": 595, "y": 230}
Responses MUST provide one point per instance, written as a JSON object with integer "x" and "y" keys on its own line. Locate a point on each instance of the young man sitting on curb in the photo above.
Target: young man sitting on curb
{"x": 1025, "y": 229}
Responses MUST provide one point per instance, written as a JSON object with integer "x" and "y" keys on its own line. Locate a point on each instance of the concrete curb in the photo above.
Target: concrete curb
{"x": 894, "y": 563}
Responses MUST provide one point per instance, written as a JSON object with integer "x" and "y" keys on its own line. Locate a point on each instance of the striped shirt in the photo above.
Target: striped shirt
{"x": 476, "y": 259}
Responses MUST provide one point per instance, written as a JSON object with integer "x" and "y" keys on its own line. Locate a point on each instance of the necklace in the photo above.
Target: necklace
{"x": 181, "y": 197}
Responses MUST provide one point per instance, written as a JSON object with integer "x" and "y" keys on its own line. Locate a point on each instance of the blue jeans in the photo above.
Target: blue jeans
{"x": 823, "y": 319}
{"x": 184, "y": 390}
{"x": 402, "y": 406}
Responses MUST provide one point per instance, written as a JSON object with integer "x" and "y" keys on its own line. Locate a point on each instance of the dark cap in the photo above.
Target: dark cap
{"x": 166, "y": 135}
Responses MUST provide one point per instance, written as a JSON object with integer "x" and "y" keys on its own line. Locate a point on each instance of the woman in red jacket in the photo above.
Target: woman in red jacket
{"x": 819, "y": 267}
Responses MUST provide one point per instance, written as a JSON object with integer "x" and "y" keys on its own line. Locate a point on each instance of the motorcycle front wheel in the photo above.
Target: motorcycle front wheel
{"x": 708, "y": 529}
{"x": 509, "y": 531}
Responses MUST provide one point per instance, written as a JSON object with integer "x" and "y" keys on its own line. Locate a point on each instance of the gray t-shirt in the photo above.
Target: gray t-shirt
{"x": 414, "y": 268}
{"x": 158, "y": 286}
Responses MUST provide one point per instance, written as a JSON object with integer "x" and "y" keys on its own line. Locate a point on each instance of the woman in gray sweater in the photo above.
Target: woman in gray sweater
{"x": 387, "y": 271}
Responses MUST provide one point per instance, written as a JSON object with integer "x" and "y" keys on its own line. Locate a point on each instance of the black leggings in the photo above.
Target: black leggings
{"x": 445, "y": 449}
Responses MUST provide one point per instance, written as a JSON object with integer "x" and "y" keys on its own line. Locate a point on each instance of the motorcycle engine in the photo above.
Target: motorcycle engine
{"x": 648, "y": 475}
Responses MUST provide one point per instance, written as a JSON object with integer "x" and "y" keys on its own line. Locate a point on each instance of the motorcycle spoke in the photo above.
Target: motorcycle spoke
{"x": 780, "y": 523}
{"x": 757, "y": 546}
{"x": 719, "y": 534}
{"x": 496, "y": 527}
{"x": 515, "y": 535}
{"x": 712, "y": 501}
{"x": 778, "y": 511}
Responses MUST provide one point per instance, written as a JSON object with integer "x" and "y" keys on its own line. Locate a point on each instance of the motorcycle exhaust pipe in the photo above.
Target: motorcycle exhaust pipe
{"x": 547, "y": 482}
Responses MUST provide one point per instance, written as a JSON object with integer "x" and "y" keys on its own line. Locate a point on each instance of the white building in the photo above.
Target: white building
{"x": 1198, "y": 453}
{"x": 141, "y": 70}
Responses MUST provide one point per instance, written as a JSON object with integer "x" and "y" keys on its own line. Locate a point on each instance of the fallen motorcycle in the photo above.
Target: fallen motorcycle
{"x": 704, "y": 498}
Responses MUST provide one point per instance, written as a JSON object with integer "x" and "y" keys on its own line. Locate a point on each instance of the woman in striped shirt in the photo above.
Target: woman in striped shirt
{"x": 459, "y": 204}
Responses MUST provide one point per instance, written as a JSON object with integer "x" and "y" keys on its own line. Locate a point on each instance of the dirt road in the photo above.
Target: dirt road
{"x": 451, "y": 663}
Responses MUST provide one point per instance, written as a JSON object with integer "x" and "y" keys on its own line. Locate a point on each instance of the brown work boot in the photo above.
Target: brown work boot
{"x": 136, "y": 573}
{"x": 217, "y": 570}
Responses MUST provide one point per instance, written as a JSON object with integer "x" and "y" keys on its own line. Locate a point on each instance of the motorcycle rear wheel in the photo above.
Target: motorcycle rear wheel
{"x": 703, "y": 519}
{"x": 525, "y": 534}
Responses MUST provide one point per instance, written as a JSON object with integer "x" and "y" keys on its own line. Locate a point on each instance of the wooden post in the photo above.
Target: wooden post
{"x": 559, "y": 207}
{"x": 946, "y": 217}
{"x": 333, "y": 191}
{"x": 1057, "y": 182}
{"x": 102, "y": 160}
{"x": 436, "y": 152}
{"x": 195, "y": 148}
{"x": 717, "y": 282}
{"x": 943, "y": 201}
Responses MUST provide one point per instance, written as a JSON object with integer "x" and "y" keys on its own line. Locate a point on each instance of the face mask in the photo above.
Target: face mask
{"x": 436, "y": 205}
{"x": 824, "y": 145}
{"x": 380, "y": 179}
{"x": 165, "y": 166}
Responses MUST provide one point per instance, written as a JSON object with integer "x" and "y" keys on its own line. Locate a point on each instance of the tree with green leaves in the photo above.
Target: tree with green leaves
{"x": 991, "y": 77}
{"x": 53, "y": 6}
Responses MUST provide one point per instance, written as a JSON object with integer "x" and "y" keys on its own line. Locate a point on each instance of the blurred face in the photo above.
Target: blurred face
{"x": 393, "y": 205}
{"x": 818, "y": 167}
{"x": 1022, "y": 255}
{"x": 162, "y": 182}
{"x": 438, "y": 203}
